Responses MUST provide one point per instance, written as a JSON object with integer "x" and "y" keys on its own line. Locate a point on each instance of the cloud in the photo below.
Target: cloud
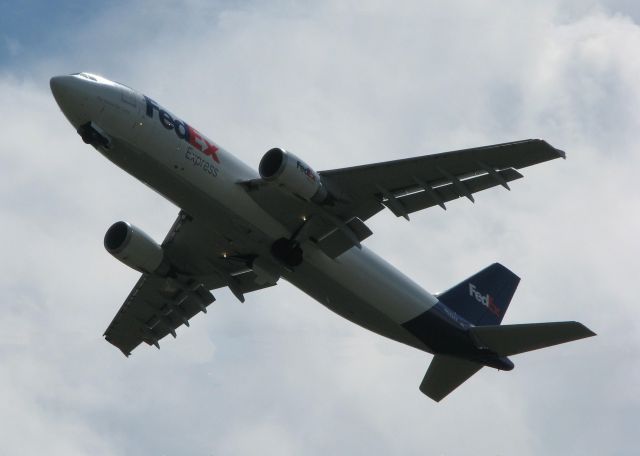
{"x": 340, "y": 84}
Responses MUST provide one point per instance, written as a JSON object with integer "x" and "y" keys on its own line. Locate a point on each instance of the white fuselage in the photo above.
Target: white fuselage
{"x": 358, "y": 285}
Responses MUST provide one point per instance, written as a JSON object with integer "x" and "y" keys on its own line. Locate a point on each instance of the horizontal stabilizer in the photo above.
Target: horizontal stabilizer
{"x": 445, "y": 374}
{"x": 509, "y": 340}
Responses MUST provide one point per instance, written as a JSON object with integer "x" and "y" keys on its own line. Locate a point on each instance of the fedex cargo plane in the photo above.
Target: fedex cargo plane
{"x": 246, "y": 229}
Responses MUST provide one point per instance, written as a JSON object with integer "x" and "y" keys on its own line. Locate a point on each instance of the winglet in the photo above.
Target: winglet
{"x": 561, "y": 153}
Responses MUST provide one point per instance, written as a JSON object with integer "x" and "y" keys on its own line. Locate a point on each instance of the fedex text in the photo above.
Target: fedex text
{"x": 485, "y": 300}
{"x": 183, "y": 130}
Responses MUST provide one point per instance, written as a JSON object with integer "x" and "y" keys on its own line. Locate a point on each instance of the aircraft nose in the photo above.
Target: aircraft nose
{"x": 61, "y": 87}
{"x": 70, "y": 95}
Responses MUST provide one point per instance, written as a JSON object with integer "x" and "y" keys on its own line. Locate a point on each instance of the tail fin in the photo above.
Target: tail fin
{"x": 513, "y": 339}
{"x": 483, "y": 298}
{"x": 445, "y": 374}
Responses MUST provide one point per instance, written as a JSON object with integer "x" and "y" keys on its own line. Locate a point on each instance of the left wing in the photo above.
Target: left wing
{"x": 403, "y": 186}
{"x": 409, "y": 185}
{"x": 157, "y": 305}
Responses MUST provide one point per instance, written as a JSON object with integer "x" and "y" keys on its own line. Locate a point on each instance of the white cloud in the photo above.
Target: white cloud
{"x": 340, "y": 84}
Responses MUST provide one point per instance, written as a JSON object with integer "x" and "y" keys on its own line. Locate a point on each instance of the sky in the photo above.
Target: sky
{"x": 340, "y": 83}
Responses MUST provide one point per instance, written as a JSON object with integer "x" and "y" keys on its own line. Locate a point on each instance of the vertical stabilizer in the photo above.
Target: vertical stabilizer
{"x": 483, "y": 298}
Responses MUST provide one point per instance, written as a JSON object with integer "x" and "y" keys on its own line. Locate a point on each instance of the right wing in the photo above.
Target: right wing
{"x": 158, "y": 305}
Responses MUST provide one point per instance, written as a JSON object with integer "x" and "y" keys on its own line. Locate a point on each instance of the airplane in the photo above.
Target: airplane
{"x": 246, "y": 230}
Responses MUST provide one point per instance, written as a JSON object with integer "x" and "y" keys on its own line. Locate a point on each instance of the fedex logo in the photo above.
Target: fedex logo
{"x": 305, "y": 170}
{"x": 485, "y": 300}
{"x": 183, "y": 130}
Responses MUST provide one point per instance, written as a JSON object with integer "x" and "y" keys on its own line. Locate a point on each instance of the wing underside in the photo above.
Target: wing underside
{"x": 157, "y": 306}
{"x": 403, "y": 186}
{"x": 413, "y": 184}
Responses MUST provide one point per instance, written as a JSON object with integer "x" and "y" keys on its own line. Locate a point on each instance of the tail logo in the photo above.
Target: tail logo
{"x": 485, "y": 300}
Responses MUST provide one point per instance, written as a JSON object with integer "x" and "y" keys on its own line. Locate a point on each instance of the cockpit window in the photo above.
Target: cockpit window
{"x": 86, "y": 76}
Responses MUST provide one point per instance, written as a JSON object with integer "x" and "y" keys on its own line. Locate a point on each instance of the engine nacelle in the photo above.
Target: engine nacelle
{"x": 285, "y": 168}
{"x": 135, "y": 248}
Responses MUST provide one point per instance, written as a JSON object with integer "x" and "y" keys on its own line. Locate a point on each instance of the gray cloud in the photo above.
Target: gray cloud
{"x": 340, "y": 84}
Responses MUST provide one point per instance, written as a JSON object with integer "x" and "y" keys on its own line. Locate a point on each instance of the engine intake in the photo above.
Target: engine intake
{"x": 284, "y": 168}
{"x": 135, "y": 248}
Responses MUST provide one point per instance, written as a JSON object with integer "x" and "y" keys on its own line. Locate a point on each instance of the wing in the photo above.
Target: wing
{"x": 404, "y": 186}
{"x": 158, "y": 305}
{"x": 413, "y": 184}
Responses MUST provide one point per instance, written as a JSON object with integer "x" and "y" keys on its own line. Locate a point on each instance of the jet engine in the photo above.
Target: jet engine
{"x": 284, "y": 168}
{"x": 135, "y": 248}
